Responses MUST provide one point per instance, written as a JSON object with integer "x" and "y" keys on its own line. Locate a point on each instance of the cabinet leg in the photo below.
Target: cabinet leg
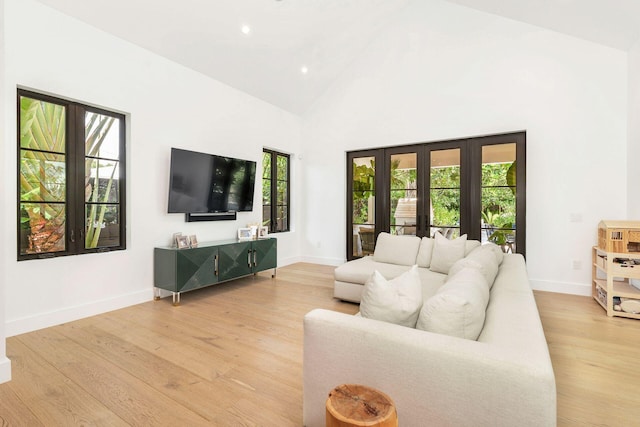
{"x": 156, "y": 294}
{"x": 176, "y": 298}
{"x": 274, "y": 273}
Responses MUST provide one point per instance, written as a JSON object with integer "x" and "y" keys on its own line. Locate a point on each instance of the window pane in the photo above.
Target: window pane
{"x": 42, "y": 228}
{"x": 445, "y": 192}
{"x": 403, "y": 186}
{"x": 446, "y": 208}
{"x": 266, "y": 165}
{"x": 42, "y": 125}
{"x": 282, "y": 192}
{"x": 102, "y": 183}
{"x": 282, "y": 167}
{"x": 266, "y": 191}
{"x": 266, "y": 216}
{"x": 102, "y": 136}
{"x": 282, "y": 220}
{"x": 363, "y": 205}
{"x": 102, "y": 226}
{"x": 498, "y": 195}
{"x": 42, "y": 176}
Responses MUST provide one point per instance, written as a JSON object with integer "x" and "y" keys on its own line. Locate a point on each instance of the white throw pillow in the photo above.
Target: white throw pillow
{"x": 446, "y": 252}
{"x": 482, "y": 259}
{"x": 425, "y": 252}
{"x": 399, "y": 250}
{"x": 395, "y": 301}
{"x": 458, "y": 307}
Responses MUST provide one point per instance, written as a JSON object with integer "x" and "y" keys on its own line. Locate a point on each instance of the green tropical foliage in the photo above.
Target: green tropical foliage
{"x": 363, "y": 189}
{"x": 97, "y": 128}
{"x": 498, "y": 195}
{"x": 282, "y": 189}
{"x": 43, "y": 176}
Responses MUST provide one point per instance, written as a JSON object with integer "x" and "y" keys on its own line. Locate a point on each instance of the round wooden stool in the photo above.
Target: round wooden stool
{"x": 358, "y": 405}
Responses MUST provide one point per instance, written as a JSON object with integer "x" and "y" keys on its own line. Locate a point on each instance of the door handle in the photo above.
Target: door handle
{"x": 215, "y": 265}
{"x": 255, "y": 258}
{"x": 249, "y": 258}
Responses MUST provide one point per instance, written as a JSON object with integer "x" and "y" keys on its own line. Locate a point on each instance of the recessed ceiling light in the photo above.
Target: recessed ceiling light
{"x": 245, "y": 29}
{"x": 304, "y": 69}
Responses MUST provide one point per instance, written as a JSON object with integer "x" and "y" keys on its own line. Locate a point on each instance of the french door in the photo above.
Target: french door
{"x": 467, "y": 186}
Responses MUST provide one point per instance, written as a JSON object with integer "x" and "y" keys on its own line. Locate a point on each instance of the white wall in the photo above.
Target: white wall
{"x": 633, "y": 157}
{"x": 167, "y": 105}
{"x": 442, "y": 71}
{"x": 5, "y": 364}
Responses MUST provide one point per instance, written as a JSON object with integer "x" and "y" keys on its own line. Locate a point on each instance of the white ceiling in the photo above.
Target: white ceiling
{"x": 323, "y": 35}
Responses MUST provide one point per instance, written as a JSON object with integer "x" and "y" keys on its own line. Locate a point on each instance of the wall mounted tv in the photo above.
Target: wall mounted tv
{"x": 205, "y": 183}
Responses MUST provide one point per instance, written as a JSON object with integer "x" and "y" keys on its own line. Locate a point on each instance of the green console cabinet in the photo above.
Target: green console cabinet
{"x": 180, "y": 270}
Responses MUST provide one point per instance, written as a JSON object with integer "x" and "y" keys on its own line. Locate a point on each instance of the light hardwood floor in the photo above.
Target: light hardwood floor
{"x": 231, "y": 355}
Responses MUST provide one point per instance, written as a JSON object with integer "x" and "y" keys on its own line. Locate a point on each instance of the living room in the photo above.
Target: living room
{"x": 436, "y": 70}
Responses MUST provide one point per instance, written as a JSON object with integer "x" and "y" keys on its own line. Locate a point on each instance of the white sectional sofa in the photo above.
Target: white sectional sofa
{"x": 502, "y": 378}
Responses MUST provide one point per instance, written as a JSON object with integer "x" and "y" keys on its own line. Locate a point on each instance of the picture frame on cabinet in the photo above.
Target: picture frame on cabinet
{"x": 193, "y": 241}
{"x": 183, "y": 242}
{"x": 263, "y": 232}
{"x": 174, "y": 239}
{"x": 244, "y": 234}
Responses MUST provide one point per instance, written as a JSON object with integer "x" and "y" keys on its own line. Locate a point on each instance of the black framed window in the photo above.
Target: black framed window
{"x": 276, "y": 191}
{"x": 71, "y": 178}
{"x": 474, "y": 186}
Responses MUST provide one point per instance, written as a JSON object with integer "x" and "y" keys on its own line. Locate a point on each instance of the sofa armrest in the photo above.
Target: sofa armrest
{"x": 433, "y": 379}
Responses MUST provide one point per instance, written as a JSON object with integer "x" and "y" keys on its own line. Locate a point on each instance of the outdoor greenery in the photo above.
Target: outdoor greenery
{"x": 282, "y": 188}
{"x": 498, "y": 195}
{"x": 43, "y": 177}
{"x": 363, "y": 189}
{"x": 99, "y": 212}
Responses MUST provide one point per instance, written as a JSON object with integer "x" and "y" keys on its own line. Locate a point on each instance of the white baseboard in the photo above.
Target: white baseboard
{"x": 561, "y": 287}
{"x": 288, "y": 261}
{"x": 69, "y": 314}
{"x": 322, "y": 260}
{"x": 5, "y": 370}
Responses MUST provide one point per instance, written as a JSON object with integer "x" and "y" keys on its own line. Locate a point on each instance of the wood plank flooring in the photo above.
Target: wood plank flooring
{"x": 231, "y": 355}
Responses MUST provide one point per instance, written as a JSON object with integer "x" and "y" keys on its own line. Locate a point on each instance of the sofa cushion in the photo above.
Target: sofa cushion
{"x": 470, "y": 245}
{"x": 458, "y": 307}
{"x": 483, "y": 260}
{"x": 495, "y": 250}
{"x": 424, "y": 253}
{"x": 431, "y": 282}
{"x": 399, "y": 250}
{"x": 446, "y": 252}
{"x": 395, "y": 301}
{"x": 359, "y": 270}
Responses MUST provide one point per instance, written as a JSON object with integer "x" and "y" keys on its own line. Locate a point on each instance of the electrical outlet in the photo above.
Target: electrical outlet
{"x": 576, "y": 264}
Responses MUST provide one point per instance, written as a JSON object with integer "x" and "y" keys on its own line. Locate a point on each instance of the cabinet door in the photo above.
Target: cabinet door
{"x": 265, "y": 255}
{"x": 195, "y": 268}
{"x": 235, "y": 260}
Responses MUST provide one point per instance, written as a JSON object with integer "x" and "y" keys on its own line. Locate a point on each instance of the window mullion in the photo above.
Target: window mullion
{"x": 76, "y": 177}
{"x": 274, "y": 192}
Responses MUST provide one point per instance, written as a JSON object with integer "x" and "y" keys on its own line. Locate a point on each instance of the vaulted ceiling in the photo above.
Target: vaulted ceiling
{"x": 287, "y": 52}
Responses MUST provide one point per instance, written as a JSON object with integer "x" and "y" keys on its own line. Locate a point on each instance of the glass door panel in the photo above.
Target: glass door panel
{"x": 363, "y": 203}
{"x": 444, "y": 192}
{"x": 498, "y": 195}
{"x": 403, "y": 190}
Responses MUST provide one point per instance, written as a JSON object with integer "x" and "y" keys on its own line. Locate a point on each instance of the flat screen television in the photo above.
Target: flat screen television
{"x": 206, "y": 183}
